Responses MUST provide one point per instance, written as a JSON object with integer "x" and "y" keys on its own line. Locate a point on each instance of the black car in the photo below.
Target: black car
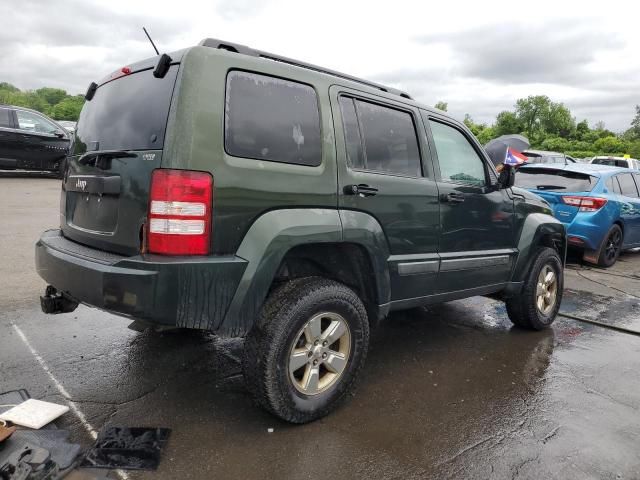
{"x": 30, "y": 140}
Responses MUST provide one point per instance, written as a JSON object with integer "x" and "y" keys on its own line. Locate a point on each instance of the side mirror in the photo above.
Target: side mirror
{"x": 507, "y": 177}
{"x": 60, "y": 134}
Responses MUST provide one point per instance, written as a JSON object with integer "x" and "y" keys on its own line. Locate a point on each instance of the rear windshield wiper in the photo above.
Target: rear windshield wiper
{"x": 87, "y": 157}
{"x": 550, "y": 187}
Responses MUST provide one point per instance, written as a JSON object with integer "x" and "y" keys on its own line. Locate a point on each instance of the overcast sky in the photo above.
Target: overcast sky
{"x": 479, "y": 57}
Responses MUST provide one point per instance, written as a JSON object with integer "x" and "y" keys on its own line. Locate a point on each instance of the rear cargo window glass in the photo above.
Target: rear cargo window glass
{"x": 390, "y": 141}
{"x": 554, "y": 180}
{"x": 5, "y": 118}
{"x": 129, "y": 113}
{"x": 268, "y": 118}
{"x": 627, "y": 185}
{"x": 614, "y": 162}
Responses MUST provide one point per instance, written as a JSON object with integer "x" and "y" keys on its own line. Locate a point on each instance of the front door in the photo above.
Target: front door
{"x": 43, "y": 144}
{"x": 477, "y": 236}
{"x": 383, "y": 172}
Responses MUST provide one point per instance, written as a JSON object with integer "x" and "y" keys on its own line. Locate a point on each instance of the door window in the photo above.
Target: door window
{"x": 390, "y": 140}
{"x": 355, "y": 154}
{"x": 459, "y": 162}
{"x": 32, "y": 122}
{"x": 5, "y": 118}
{"x": 627, "y": 185}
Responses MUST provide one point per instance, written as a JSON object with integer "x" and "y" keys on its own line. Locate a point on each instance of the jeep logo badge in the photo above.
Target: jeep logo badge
{"x": 81, "y": 184}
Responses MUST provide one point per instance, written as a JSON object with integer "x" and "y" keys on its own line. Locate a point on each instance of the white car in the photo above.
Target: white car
{"x": 616, "y": 162}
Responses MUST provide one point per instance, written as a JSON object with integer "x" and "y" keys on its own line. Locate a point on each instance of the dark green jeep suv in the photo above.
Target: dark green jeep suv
{"x": 237, "y": 191}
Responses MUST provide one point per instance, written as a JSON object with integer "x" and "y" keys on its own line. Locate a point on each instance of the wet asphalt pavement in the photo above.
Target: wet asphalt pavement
{"x": 451, "y": 391}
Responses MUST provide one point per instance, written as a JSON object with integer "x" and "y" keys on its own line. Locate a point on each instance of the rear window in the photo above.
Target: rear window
{"x": 129, "y": 113}
{"x": 614, "y": 162}
{"x": 269, "y": 118}
{"x": 554, "y": 180}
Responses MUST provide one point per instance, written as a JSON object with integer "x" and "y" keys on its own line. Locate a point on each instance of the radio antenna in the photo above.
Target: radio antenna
{"x": 152, "y": 44}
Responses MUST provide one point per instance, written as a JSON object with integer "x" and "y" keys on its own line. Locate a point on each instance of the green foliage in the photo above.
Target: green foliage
{"x": 441, "y": 106}
{"x": 54, "y": 102}
{"x": 550, "y": 126}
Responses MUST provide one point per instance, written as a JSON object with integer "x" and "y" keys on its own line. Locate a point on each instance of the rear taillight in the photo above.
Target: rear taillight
{"x": 585, "y": 204}
{"x": 180, "y": 205}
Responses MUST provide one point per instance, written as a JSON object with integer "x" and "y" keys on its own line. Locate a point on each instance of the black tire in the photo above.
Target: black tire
{"x": 611, "y": 247}
{"x": 523, "y": 310}
{"x": 269, "y": 344}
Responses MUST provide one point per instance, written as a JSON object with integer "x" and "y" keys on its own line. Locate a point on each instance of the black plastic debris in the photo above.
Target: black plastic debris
{"x": 127, "y": 448}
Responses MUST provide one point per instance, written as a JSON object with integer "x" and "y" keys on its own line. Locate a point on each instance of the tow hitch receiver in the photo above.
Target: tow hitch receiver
{"x": 55, "y": 302}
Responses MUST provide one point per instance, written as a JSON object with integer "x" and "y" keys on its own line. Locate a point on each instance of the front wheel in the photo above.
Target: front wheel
{"x": 303, "y": 355}
{"x": 536, "y": 307}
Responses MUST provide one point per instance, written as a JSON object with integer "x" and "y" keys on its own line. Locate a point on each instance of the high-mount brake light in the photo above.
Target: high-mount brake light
{"x": 180, "y": 205}
{"x": 125, "y": 70}
{"x": 585, "y": 204}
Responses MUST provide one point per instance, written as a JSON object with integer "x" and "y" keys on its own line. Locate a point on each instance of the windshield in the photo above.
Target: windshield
{"x": 129, "y": 113}
{"x": 554, "y": 180}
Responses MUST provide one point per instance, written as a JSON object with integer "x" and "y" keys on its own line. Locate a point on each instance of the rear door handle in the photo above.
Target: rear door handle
{"x": 452, "y": 198}
{"x": 361, "y": 189}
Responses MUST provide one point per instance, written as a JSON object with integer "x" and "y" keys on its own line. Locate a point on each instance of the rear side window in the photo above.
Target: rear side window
{"x": 355, "y": 154}
{"x": 613, "y": 185}
{"x": 458, "y": 160}
{"x": 627, "y": 185}
{"x": 5, "y": 118}
{"x": 268, "y": 118}
{"x": 390, "y": 140}
{"x": 554, "y": 180}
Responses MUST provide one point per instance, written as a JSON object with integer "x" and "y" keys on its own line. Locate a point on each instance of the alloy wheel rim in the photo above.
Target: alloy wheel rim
{"x": 613, "y": 244}
{"x": 320, "y": 353}
{"x": 546, "y": 290}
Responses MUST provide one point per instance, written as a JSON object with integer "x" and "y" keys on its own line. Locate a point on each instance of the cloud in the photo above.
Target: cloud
{"x": 547, "y": 52}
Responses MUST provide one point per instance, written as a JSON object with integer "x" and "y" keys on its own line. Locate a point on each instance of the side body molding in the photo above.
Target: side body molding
{"x": 276, "y": 232}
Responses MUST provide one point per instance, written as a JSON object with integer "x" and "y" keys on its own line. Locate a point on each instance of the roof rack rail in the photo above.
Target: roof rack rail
{"x": 244, "y": 50}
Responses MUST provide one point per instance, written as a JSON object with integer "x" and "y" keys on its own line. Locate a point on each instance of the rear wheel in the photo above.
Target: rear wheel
{"x": 303, "y": 355}
{"x": 611, "y": 247}
{"x": 536, "y": 307}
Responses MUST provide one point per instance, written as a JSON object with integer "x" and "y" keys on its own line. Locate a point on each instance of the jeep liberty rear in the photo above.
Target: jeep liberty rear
{"x": 249, "y": 194}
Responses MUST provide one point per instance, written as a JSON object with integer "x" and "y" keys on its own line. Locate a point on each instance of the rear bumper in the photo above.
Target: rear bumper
{"x": 190, "y": 292}
{"x": 587, "y": 231}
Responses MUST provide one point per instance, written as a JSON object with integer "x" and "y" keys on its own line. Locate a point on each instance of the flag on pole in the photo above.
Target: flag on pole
{"x": 514, "y": 157}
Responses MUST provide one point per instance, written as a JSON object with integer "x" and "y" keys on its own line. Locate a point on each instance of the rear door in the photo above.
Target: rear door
{"x": 9, "y": 138}
{"x": 383, "y": 171}
{"x": 119, "y": 141}
{"x": 630, "y": 207}
{"x": 477, "y": 237}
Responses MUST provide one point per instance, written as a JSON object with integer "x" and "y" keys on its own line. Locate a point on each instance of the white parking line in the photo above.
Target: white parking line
{"x": 63, "y": 391}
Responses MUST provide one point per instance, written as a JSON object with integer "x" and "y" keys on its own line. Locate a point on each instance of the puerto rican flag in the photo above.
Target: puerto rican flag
{"x": 514, "y": 157}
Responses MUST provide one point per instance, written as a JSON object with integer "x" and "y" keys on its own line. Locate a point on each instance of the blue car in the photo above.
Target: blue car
{"x": 599, "y": 205}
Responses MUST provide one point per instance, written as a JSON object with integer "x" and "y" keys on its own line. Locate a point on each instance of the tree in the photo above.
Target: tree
{"x": 68, "y": 109}
{"x": 634, "y": 132}
{"x": 610, "y": 144}
{"x": 506, "y": 123}
{"x": 441, "y": 106}
{"x": 51, "y": 95}
{"x": 540, "y": 116}
{"x": 582, "y": 128}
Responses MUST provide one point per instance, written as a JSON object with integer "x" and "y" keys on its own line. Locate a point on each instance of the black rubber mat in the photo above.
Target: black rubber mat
{"x": 127, "y": 448}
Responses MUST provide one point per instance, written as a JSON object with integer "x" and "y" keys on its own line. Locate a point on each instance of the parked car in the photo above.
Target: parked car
{"x": 543, "y": 156}
{"x": 30, "y": 140}
{"x": 616, "y": 162}
{"x": 232, "y": 190}
{"x": 68, "y": 125}
{"x": 599, "y": 204}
